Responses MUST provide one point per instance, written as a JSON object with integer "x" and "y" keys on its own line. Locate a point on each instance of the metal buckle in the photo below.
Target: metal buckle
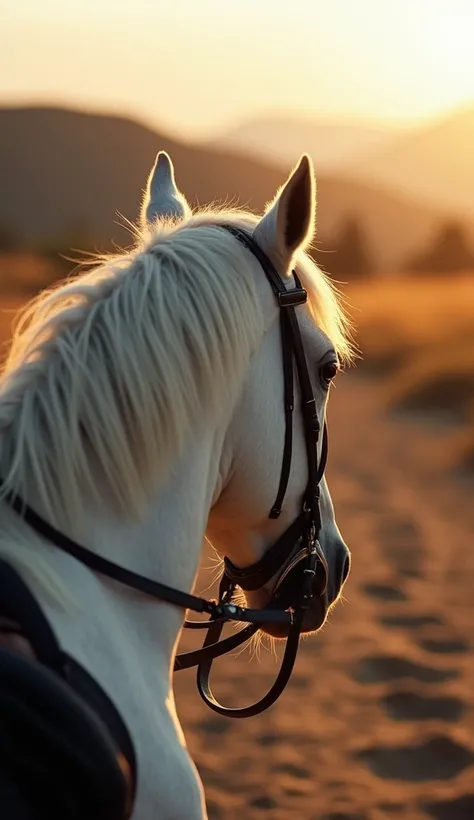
{"x": 292, "y": 298}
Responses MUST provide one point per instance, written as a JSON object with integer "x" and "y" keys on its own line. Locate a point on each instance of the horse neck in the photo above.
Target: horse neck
{"x": 126, "y": 640}
{"x": 98, "y": 618}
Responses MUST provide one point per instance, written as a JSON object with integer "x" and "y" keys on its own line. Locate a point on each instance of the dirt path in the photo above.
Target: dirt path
{"x": 378, "y": 720}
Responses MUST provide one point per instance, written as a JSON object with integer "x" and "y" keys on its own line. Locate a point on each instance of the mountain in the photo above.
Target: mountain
{"x": 435, "y": 163}
{"x": 61, "y": 169}
{"x": 332, "y": 145}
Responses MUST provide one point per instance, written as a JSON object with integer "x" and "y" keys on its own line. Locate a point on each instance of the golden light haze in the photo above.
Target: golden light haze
{"x": 199, "y": 66}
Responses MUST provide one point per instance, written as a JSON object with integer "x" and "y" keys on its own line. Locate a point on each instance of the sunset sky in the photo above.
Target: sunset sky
{"x": 197, "y": 67}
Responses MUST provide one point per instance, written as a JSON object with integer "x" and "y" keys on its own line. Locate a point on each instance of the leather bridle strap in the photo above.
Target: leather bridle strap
{"x": 311, "y": 423}
{"x": 254, "y": 577}
{"x": 289, "y": 330}
{"x": 284, "y": 674}
{"x": 288, "y": 403}
{"x": 214, "y": 647}
{"x": 155, "y": 589}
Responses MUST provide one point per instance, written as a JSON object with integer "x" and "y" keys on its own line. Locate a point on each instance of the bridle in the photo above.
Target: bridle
{"x": 297, "y": 550}
{"x": 299, "y": 543}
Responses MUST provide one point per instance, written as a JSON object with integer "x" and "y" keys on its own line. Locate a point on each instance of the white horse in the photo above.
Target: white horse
{"x": 141, "y": 411}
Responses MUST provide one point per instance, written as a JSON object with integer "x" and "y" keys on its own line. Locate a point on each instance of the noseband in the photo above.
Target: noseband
{"x": 299, "y": 544}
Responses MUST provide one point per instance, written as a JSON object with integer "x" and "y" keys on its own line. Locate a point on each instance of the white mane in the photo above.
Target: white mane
{"x": 109, "y": 371}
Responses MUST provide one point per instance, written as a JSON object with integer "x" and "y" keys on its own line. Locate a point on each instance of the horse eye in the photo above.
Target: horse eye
{"x": 328, "y": 372}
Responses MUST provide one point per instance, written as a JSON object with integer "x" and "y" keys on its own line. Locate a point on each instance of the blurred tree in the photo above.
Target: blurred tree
{"x": 349, "y": 255}
{"x": 449, "y": 252}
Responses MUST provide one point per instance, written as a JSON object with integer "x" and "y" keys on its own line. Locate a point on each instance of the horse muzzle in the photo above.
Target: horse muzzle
{"x": 294, "y": 590}
{"x": 322, "y": 588}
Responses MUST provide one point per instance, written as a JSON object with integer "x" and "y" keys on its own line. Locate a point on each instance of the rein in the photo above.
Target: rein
{"x": 298, "y": 543}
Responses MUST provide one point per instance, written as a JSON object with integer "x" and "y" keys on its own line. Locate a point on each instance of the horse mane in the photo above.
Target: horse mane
{"x": 109, "y": 371}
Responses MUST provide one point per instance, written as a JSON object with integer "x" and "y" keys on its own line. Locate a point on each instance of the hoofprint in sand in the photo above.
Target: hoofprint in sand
{"x": 378, "y": 721}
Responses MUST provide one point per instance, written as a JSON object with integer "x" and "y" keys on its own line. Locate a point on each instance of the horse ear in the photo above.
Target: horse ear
{"x": 162, "y": 199}
{"x": 289, "y": 223}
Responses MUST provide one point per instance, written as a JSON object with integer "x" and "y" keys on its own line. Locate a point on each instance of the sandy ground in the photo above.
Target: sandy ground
{"x": 378, "y": 719}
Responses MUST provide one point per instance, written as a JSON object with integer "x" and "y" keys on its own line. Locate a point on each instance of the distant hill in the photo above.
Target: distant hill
{"x": 60, "y": 169}
{"x": 332, "y": 145}
{"x": 435, "y": 163}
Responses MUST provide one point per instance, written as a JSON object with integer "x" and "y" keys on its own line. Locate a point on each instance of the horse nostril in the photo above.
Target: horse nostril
{"x": 320, "y": 579}
{"x": 346, "y": 566}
